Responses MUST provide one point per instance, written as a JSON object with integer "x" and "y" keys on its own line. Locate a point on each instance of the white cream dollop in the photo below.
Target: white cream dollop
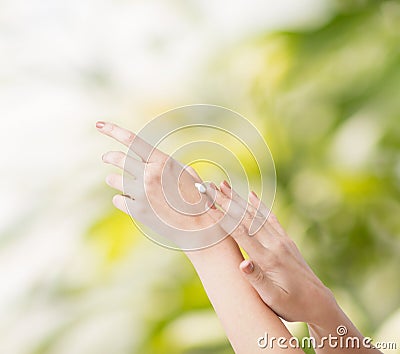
{"x": 200, "y": 187}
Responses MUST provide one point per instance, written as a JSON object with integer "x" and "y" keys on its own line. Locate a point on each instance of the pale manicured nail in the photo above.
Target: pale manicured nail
{"x": 226, "y": 184}
{"x": 254, "y": 194}
{"x": 100, "y": 124}
{"x": 210, "y": 205}
{"x": 248, "y": 267}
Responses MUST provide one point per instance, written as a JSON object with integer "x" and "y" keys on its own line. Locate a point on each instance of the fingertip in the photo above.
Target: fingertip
{"x": 253, "y": 196}
{"x": 117, "y": 199}
{"x": 253, "y": 199}
{"x": 226, "y": 184}
{"x": 210, "y": 205}
{"x": 247, "y": 266}
{"x": 226, "y": 189}
{"x": 100, "y": 124}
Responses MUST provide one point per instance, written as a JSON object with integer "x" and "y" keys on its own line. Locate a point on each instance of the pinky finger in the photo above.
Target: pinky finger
{"x": 121, "y": 202}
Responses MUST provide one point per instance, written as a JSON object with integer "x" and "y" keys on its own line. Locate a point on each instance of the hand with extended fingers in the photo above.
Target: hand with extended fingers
{"x": 276, "y": 268}
{"x": 159, "y": 191}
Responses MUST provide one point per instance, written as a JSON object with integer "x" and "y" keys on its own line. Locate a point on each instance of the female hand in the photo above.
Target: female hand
{"x": 276, "y": 268}
{"x": 159, "y": 192}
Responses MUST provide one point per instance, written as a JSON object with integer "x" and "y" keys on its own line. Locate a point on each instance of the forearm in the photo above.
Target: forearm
{"x": 242, "y": 313}
{"x": 339, "y": 335}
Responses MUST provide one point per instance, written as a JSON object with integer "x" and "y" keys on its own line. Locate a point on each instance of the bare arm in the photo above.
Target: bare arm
{"x": 242, "y": 313}
{"x": 281, "y": 276}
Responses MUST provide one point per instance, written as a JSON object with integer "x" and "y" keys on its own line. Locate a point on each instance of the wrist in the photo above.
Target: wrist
{"x": 335, "y": 322}
{"x": 330, "y": 315}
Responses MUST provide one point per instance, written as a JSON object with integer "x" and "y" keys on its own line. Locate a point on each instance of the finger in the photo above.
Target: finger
{"x": 272, "y": 219}
{"x": 125, "y": 162}
{"x": 253, "y": 219}
{"x": 231, "y": 193}
{"x": 239, "y": 233}
{"x": 120, "y": 202}
{"x": 124, "y": 184}
{"x": 258, "y": 279}
{"x": 250, "y": 217}
{"x": 136, "y": 144}
{"x": 114, "y": 180}
{"x": 232, "y": 208}
{"x": 228, "y": 191}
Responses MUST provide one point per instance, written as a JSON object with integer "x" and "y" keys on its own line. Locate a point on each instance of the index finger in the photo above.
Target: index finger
{"x": 140, "y": 147}
{"x": 253, "y": 247}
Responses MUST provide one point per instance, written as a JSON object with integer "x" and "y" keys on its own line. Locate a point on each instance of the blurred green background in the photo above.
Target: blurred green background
{"x": 320, "y": 79}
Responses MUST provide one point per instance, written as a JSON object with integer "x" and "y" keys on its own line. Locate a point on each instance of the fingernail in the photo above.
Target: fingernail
{"x": 210, "y": 205}
{"x": 254, "y": 194}
{"x": 100, "y": 124}
{"x": 226, "y": 184}
{"x": 213, "y": 186}
{"x": 248, "y": 268}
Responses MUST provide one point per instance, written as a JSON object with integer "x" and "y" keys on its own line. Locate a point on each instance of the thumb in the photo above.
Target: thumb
{"x": 253, "y": 273}
{"x": 261, "y": 283}
{"x": 257, "y": 279}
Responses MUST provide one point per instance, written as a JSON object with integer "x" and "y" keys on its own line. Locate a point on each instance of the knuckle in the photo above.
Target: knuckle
{"x": 280, "y": 244}
{"x": 273, "y": 260}
{"x": 259, "y": 277}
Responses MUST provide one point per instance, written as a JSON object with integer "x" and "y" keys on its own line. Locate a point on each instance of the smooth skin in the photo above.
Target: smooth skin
{"x": 275, "y": 281}
{"x": 277, "y": 270}
{"x": 244, "y": 316}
